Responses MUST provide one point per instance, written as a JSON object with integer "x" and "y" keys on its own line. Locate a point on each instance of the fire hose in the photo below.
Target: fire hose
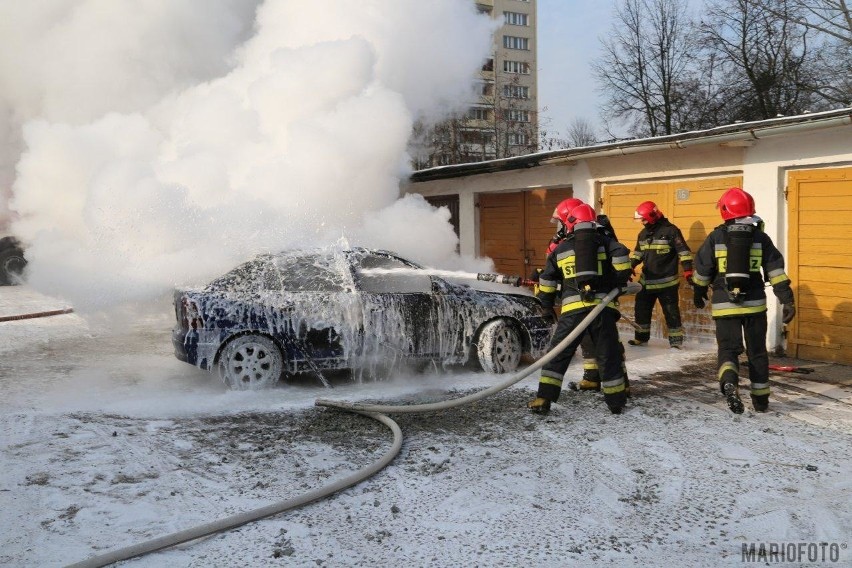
{"x": 371, "y": 411}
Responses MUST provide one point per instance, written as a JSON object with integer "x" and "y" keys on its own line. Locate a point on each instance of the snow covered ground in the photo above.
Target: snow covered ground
{"x": 106, "y": 440}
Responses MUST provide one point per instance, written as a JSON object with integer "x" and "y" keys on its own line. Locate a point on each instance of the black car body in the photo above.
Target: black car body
{"x": 318, "y": 310}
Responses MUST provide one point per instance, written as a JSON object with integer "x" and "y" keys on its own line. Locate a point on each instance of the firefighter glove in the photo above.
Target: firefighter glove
{"x": 788, "y": 312}
{"x": 700, "y": 298}
{"x": 587, "y": 294}
{"x": 687, "y": 275}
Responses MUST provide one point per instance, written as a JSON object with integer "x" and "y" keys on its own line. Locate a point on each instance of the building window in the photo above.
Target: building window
{"x": 486, "y": 89}
{"x": 514, "y": 42}
{"x": 518, "y": 139}
{"x": 476, "y": 136}
{"x": 477, "y": 113}
{"x": 517, "y": 115}
{"x": 516, "y": 92}
{"x": 519, "y": 67}
{"x": 516, "y": 19}
{"x": 488, "y": 65}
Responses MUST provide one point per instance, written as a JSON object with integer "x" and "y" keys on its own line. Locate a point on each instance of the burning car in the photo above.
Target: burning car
{"x": 357, "y": 309}
{"x": 12, "y": 261}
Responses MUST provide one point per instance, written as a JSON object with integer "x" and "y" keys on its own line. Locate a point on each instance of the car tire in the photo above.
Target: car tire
{"x": 251, "y": 362}
{"x": 499, "y": 347}
{"x": 12, "y": 263}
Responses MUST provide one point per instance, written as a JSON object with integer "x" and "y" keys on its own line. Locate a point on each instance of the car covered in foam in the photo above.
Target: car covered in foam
{"x": 367, "y": 310}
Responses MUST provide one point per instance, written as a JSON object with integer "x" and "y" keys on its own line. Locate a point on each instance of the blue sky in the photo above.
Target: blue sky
{"x": 569, "y": 33}
{"x": 568, "y": 41}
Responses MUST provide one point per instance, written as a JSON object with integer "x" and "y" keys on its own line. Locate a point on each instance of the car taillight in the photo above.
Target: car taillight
{"x": 191, "y": 316}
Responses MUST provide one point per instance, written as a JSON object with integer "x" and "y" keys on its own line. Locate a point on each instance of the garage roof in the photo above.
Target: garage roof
{"x": 731, "y": 134}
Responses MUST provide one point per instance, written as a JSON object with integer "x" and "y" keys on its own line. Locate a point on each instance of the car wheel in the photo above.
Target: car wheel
{"x": 499, "y": 347}
{"x": 251, "y": 362}
{"x": 12, "y": 265}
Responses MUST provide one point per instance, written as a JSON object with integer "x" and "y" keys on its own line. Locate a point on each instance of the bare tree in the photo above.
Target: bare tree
{"x": 766, "y": 59}
{"x": 581, "y": 132}
{"x": 645, "y": 60}
{"x": 831, "y": 21}
{"x": 831, "y": 17}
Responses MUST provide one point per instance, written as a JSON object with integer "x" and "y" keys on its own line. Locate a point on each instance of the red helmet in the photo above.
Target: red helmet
{"x": 580, "y": 214}
{"x": 560, "y": 214}
{"x": 648, "y": 212}
{"x": 735, "y": 203}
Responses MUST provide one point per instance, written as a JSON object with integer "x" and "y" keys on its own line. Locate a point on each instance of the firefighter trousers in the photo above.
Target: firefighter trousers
{"x": 608, "y": 352}
{"x": 668, "y": 298}
{"x": 730, "y": 332}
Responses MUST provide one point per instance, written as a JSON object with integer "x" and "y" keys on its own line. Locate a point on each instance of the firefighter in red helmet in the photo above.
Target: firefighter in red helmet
{"x": 731, "y": 261}
{"x": 591, "y": 380}
{"x": 660, "y": 247}
{"x": 560, "y": 217}
{"x": 585, "y": 266}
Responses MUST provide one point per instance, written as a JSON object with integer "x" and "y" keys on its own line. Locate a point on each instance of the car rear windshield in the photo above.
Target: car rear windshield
{"x": 311, "y": 273}
{"x": 295, "y": 273}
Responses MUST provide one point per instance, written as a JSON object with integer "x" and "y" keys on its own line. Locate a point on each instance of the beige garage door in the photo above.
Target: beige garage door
{"x": 820, "y": 264}
{"x": 515, "y": 228}
{"x": 689, "y": 204}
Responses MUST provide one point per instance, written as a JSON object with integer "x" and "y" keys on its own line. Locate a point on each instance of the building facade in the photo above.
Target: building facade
{"x": 502, "y": 118}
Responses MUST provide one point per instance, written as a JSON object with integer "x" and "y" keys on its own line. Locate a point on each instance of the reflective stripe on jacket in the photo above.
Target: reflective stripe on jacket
{"x": 710, "y": 265}
{"x": 560, "y": 272}
{"x": 659, "y": 249}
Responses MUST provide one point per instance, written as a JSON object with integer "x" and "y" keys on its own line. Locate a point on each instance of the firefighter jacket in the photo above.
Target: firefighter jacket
{"x": 712, "y": 261}
{"x": 659, "y": 248}
{"x": 584, "y": 258}
{"x": 604, "y": 227}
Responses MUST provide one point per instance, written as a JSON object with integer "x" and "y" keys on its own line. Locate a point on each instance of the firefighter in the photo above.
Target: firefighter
{"x": 731, "y": 260}
{"x": 659, "y": 248}
{"x": 591, "y": 380}
{"x": 585, "y": 266}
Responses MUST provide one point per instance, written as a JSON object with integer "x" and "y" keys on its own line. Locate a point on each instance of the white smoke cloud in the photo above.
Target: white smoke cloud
{"x": 174, "y": 139}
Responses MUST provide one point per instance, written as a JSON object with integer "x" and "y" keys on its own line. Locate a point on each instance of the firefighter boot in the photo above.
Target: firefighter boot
{"x": 760, "y": 402}
{"x": 591, "y": 380}
{"x": 591, "y": 376}
{"x": 637, "y": 342}
{"x": 589, "y": 385}
{"x": 732, "y": 396}
{"x": 539, "y": 405}
{"x": 616, "y": 403}
{"x": 676, "y": 341}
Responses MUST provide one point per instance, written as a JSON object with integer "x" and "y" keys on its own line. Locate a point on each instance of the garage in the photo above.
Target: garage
{"x": 688, "y": 203}
{"x": 820, "y": 263}
{"x": 515, "y": 227}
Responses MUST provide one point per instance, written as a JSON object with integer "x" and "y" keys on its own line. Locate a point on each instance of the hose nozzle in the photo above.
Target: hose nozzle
{"x": 500, "y": 279}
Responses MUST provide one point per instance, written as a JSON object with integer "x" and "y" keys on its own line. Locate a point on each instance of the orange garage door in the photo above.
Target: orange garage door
{"x": 820, "y": 264}
{"x": 515, "y": 228}
{"x": 689, "y": 204}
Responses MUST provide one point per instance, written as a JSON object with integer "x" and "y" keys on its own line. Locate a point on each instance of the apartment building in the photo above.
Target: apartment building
{"x": 502, "y": 119}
